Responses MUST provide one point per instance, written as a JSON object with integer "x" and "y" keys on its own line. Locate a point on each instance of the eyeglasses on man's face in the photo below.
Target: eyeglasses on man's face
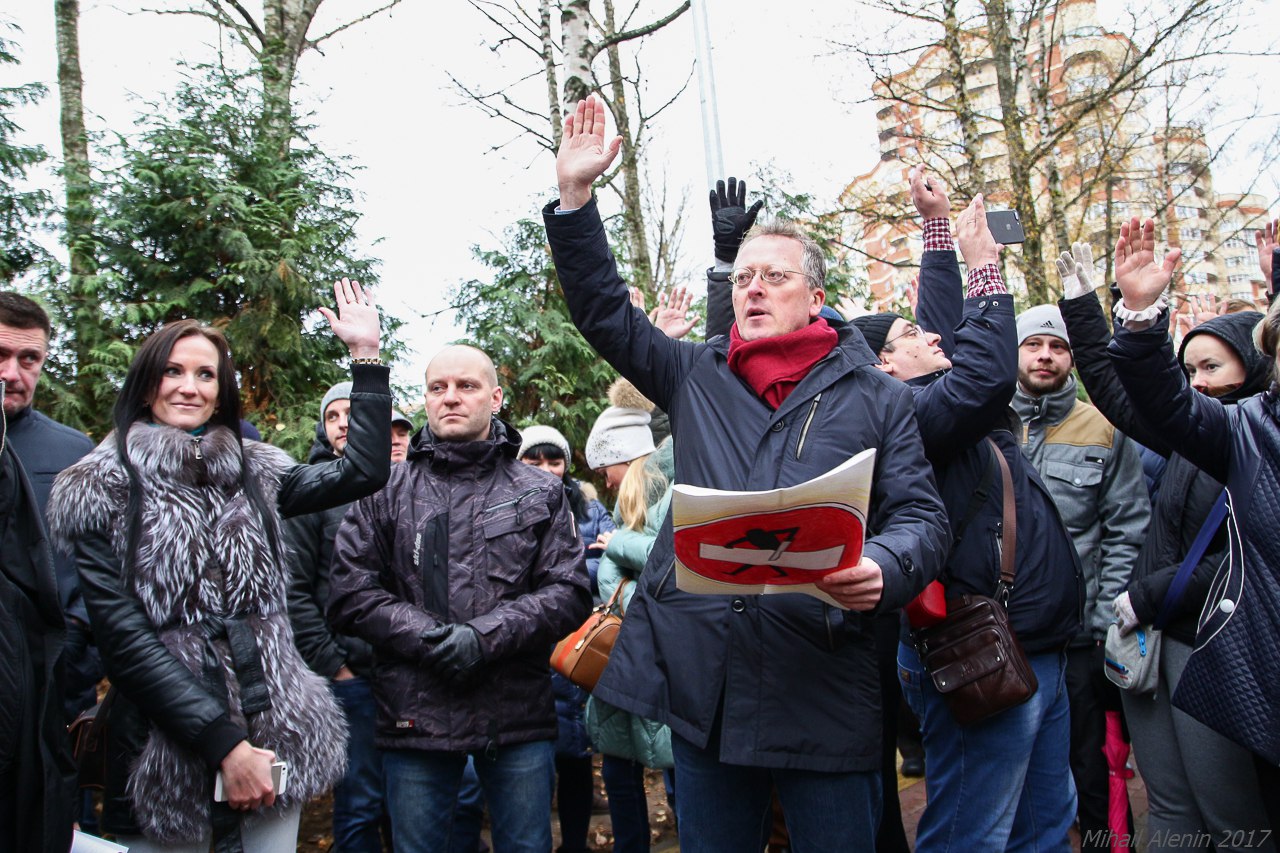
{"x": 913, "y": 331}
{"x": 769, "y": 275}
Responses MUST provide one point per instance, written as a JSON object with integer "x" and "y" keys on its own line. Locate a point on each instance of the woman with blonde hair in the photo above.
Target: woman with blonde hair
{"x": 621, "y": 448}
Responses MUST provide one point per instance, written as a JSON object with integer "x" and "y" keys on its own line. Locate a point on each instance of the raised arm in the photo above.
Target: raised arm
{"x": 941, "y": 291}
{"x": 1194, "y": 425}
{"x": 731, "y": 219}
{"x": 959, "y": 408}
{"x": 594, "y": 291}
{"x": 365, "y": 465}
{"x": 1090, "y": 335}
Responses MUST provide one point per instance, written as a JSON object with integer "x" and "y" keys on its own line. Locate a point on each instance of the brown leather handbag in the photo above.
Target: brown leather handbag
{"x": 973, "y": 657}
{"x": 581, "y": 656}
{"x": 88, "y": 735}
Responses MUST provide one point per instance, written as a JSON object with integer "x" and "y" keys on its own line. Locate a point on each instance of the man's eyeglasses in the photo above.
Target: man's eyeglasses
{"x": 913, "y": 331}
{"x": 770, "y": 275}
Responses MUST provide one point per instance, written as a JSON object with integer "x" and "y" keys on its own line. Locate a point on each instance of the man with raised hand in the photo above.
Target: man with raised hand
{"x": 961, "y": 363}
{"x": 760, "y": 691}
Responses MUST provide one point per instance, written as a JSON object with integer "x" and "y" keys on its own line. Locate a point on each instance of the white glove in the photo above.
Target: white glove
{"x": 1076, "y": 269}
{"x": 1126, "y": 618}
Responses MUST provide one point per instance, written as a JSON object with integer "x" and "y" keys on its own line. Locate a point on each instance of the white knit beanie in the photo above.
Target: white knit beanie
{"x": 619, "y": 435}
{"x": 535, "y": 434}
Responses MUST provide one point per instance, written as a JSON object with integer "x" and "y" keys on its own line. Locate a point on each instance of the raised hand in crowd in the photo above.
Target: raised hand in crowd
{"x": 913, "y": 294}
{"x": 850, "y": 308}
{"x": 356, "y": 321}
{"x": 584, "y": 154}
{"x": 1076, "y": 269}
{"x": 928, "y": 194}
{"x": 637, "y": 298}
{"x": 977, "y": 245}
{"x": 730, "y": 217}
{"x": 1199, "y": 310}
{"x": 1142, "y": 281}
{"x": 672, "y": 316}
{"x": 1265, "y": 237}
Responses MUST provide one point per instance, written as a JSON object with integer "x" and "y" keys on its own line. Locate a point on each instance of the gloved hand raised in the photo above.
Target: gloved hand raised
{"x": 730, "y": 218}
{"x": 1076, "y": 269}
{"x": 456, "y": 656}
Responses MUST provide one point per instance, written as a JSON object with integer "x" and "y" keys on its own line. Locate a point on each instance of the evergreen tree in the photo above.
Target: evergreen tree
{"x": 203, "y": 218}
{"x": 22, "y": 211}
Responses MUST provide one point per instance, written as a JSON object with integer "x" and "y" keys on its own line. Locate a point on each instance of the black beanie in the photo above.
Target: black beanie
{"x": 875, "y": 328}
{"x": 1236, "y": 331}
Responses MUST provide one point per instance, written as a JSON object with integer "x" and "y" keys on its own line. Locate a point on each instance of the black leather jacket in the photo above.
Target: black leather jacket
{"x": 154, "y": 686}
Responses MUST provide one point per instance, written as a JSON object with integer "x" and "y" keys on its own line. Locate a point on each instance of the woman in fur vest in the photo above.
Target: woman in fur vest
{"x": 174, "y": 522}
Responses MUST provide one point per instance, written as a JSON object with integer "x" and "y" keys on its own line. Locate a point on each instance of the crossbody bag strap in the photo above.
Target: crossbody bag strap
{"x": 1008, "y": 529}
{"x": 1201, "y": 544}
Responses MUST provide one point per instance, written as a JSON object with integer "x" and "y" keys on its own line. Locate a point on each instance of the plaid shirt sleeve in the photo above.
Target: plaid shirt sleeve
{"x": 937, "y": 235}
{"x": 984, "y": 281}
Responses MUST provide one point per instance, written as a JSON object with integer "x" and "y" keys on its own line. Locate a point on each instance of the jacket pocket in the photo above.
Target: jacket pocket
{"x": 1079, "y": 474}
{"x": 512, "y": 535}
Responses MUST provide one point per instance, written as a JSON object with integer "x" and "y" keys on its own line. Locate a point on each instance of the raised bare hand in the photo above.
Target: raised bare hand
{"x": 1265, "y": 237}
{"x": 1141, "y": 280}
{"x": 928, "y": 194}
{"x": 672, "y": 317}
{"x": 977, "y": 246}
{"x": 356, "y": 322}
{"x": 584, "y": 155}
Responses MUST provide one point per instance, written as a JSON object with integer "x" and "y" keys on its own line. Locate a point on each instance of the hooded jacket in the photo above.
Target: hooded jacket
{"x": 1095, "y": 476}
{"x": 1232, "y": 680}
{"x": 463, "y": 533}
{"x": 788, "y": 680}
{"x": 205, "y": 579}
{"x": 1186, "y": 494}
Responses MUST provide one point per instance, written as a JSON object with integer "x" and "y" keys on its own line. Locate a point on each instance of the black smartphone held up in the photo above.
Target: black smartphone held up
{"x": 1005, "y": 226}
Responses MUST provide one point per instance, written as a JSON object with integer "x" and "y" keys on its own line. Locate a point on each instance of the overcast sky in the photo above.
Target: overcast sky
{"x": 430, "y": 188}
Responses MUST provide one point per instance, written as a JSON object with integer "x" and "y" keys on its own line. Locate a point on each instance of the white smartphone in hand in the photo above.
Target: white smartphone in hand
{"x": 279, "y": 781}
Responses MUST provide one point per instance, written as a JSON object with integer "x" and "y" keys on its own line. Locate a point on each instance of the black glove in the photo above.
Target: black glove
{"x": 730, "y": 218}
{"x": 456, "y": 657}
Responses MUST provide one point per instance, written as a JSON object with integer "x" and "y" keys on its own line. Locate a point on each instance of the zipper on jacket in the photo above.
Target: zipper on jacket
{"x": 804, "y": 431}
{"x": 826, "y": 617}
{"x": 195, "y": 439}
{"x": 514, "y": 501}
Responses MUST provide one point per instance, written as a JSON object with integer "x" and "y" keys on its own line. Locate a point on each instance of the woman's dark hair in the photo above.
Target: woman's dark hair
{"x": 552, "y": 453}
{"x": 134, "y": 404}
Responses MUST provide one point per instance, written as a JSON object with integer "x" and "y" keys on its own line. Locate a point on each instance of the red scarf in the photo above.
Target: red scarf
{"x": 773, "y": 367}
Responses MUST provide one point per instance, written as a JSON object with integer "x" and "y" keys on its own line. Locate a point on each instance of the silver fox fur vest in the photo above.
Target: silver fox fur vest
{"x": 204, "y": 551}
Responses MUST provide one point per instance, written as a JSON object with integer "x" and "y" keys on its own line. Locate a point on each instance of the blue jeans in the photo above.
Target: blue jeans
{"x": 1004, "y": 783}
{"x": 358, "y": 797}
{"x": 726, "y": 807}
{"x": 423, "y": 787}
{"x": 628, "y": 805}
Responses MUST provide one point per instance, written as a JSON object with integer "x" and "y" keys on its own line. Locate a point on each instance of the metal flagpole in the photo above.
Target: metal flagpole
{"x": 707, "y": 94}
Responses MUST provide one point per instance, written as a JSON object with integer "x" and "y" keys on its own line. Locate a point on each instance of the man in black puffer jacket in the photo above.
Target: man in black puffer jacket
{"x": 462, "y": 573}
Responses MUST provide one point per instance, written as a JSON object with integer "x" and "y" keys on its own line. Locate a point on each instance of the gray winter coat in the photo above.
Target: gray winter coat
{"x": 463, "y": 533}
{"x": 1094, "y": 474}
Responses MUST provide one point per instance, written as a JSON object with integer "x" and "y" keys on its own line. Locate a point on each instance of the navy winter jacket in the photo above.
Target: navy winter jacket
{"x": 957, "y": 409}
{"x": 788, "y": 680}
{"x": 1239, "y": 694}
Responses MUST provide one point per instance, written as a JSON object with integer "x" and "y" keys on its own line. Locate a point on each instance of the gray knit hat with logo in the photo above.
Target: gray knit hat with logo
{"x": 1042, "y": 320}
